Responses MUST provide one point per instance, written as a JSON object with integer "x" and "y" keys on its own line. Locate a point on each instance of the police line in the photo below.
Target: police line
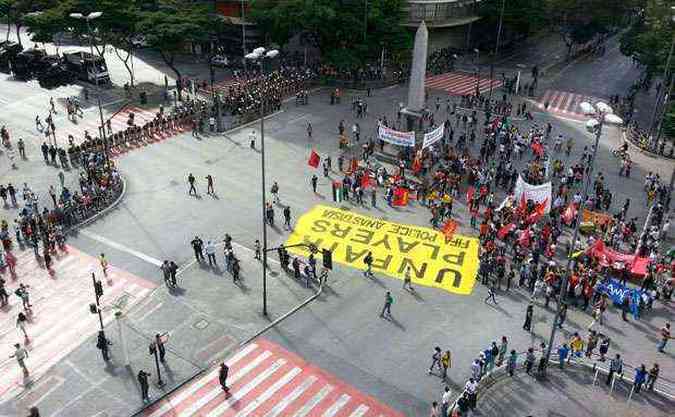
{"x": 434, "y": 260}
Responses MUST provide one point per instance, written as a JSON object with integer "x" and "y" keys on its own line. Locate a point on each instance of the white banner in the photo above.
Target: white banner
{"x": 433, "y": 136}
{"x": 395, "y": 137}
{"x": 536, "y": 193}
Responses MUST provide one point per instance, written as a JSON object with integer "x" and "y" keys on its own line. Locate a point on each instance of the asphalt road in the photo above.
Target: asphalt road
{"x": 341, "y": 332}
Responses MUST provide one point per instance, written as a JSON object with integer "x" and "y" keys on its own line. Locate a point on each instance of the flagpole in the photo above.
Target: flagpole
{"x": 568, "y": 269}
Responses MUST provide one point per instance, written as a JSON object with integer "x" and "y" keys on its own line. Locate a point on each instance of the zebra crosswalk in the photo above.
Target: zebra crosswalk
{"x": 266, "y": 380}
{"x": 60, "y": 319}
{"x": 461, "y": 83}
{"x": 565, "y": 103}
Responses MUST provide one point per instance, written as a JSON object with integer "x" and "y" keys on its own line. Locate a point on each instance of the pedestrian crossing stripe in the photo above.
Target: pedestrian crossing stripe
{"x": 265, "y": 380}
{"x": 61, "y": 320}
{"x": 564, "y": 102}
{"x": 462, "y": 83}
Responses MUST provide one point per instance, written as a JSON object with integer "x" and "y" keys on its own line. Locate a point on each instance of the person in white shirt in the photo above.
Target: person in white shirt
{"x": 445, "y": 401}
{"x": 211, "y": 253}
{"x": 21, "y": 354}
{"x": 471, "y": 388}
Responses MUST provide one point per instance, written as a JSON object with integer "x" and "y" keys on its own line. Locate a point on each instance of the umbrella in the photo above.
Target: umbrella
{"x": 586, "y": 107}
{"x": 613, "y": 119}
{"x": 603, "y": 107}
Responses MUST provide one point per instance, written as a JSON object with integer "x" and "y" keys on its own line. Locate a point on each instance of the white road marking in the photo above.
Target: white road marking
{"x": 140, "y": 255}
{"x": 147, "y": 313}
{"x": 54, "y": 386}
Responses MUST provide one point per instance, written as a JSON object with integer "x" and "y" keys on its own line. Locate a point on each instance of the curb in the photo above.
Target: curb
{"x": 642, "y": 151}
{"x": 105, "y": 210}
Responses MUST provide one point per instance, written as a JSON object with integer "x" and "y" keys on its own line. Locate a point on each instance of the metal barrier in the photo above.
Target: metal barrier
{"x": 662, "y": 387}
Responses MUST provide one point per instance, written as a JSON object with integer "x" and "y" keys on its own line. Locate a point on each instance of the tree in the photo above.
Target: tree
{"x": 649, "y": 37}
{"x": 347, "y": 35}
{"x": 116, "y": 26}
{"x": 521, "y": 17}
{"x": 580, "y": 21}
{"x": 169, "y": 27}
{"x": 14, "y": 12}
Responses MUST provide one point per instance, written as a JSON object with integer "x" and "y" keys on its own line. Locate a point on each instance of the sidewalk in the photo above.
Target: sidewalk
{"x": 569, "y": 393}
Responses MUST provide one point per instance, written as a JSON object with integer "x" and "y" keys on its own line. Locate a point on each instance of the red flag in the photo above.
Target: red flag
{"x": 538, "y": 149}
{"x": 449, "y": 228}
{"x": 504, "y": 231}
{"x": 400, "y": 196}
{"x": 365, "y": 180}
{"x": 469, "y": 194}
{"x": 538, "y": 212}
{"x": 314, "y": 159}
{"x": 524, "y": 239}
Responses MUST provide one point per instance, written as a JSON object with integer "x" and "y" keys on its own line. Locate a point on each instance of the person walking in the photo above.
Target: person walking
{"x": 287, "y": 218}
{"x": 209, "y": 185}
{"x": 160, "y": 340}
{"x": 664, "y": 334}
{"x": 21, "y": 354}
{"x": 640, "y": 377}
{"x": 222, "y": 376}
{"x": 143, "y": 382}
{"x": 563, "y": 353}
{"x": 251, "y": 138}
{"x": 211, "y": 253}
{"x": 102, "y": 344}
{"x": 407, "y": 280}
{"x": 257, "y": 249}
{"x": 512, "y": 362}
{"x": 528, "y": 318}
{"x": 491, "y": 295}
{"x": 197, "y": 245}
{"x": 104, "y": 264}
{"x": 503, "y": 349}
{"x": 529, "y": 360}
{"x": 191, "y": 182}
{"x": 275, "y": 193}
{"x": 309, "y": 130}
{"x": 21, "y": 321}
{"x": 435, "y": 360}
{"x": 652, "y": 377}
{"x": 315, "y": 180}
{"x": 445, "y": 400}
{"x": 368, "y": 260}
{"x": 471, "y": 388}
{"x": 386, "y": 308}
{"x": 446, "y": 362}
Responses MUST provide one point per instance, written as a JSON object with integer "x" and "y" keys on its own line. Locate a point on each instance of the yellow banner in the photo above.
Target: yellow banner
{"x": 450, "y": 264}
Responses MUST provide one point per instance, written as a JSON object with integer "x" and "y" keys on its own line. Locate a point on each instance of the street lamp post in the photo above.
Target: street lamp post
{"x": 568, "y": 269}
{"x": 499, "y": 28}
{"x": 477, "y": 71}
{"x": 88, "y": 18}
{"x": 259, "y": 55}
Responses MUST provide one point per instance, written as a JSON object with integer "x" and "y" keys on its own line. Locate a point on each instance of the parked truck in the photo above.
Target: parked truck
{"x": 88, "y": 67}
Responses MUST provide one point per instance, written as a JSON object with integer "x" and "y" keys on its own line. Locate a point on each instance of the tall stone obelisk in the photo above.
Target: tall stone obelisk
{"x": 418, "y": 73}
